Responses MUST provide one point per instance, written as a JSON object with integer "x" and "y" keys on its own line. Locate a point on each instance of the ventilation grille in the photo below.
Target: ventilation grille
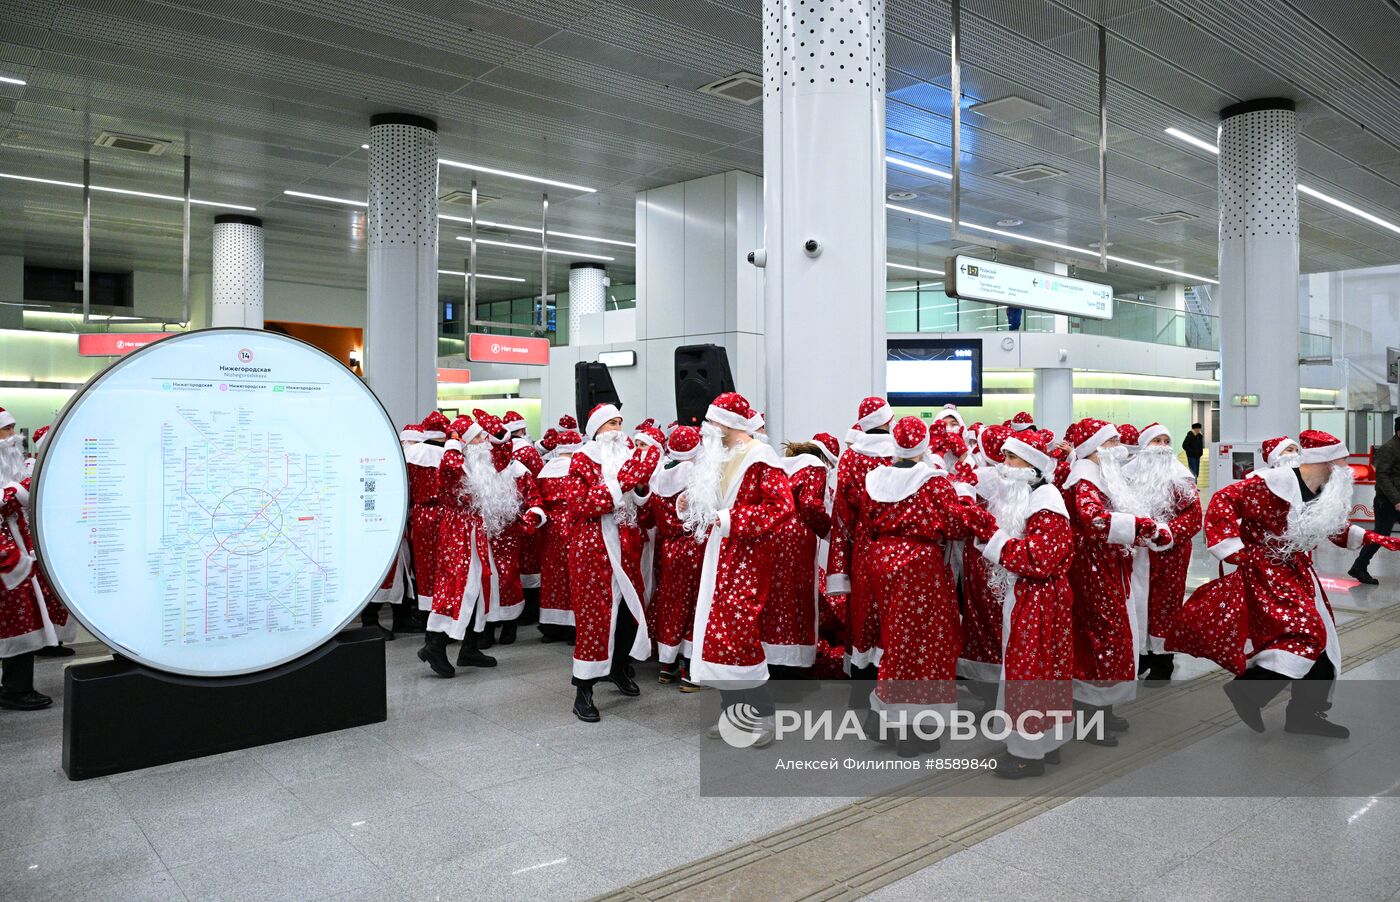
{"x": 1008, "y": 109}
{"x": 1027, "y": 174}
{"x": 464, "y": 198}
{"x": 741, "y": 87}
{"x": 1169, "y": 218}
{"x": 152, "y": 146}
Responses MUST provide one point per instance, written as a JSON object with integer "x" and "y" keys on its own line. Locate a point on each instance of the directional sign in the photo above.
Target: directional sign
{"x": 983, "y": 280}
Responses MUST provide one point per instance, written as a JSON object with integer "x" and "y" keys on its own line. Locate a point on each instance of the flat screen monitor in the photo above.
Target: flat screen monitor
{"x": 931, "y": 372}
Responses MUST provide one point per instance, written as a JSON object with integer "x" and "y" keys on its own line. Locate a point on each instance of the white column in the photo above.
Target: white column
{"x": 1259, "y": 269}
{"x": 400, "y": 360}
{"x": 587, "y": 294}
{"x": 1054, "y": 399}
{"x": 238, "y": 271}
{"x": 824, "y": 181}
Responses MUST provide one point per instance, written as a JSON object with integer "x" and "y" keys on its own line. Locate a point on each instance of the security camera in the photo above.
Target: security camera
{"x": 812, "y": 248}
{"x": 758, "y": 257}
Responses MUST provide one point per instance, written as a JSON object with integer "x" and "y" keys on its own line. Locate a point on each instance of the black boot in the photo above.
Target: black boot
{"x": 487, "y": 638}
{"x": 912, "y": 746}
{"x": 1359, "y": 573}
{"x": 1250, "y": 692}
{"x": 584, "y": 709}
{"x": 434, "y": 654}
{"x": 470, "y": 654}
{"x": 406, "y": 619}
{"x": 624, "y": 682}
{"x": 1306, "y": 707}
{"x": 1113, "y": 721}
{"x": 370, "y": 617}
{"x": 530, "y": 614}
{"x": 1159, "y": 669}
{"x": 55, "y": 651}
{"x": 669, "y": 673}
{"x": 508, "y": 632}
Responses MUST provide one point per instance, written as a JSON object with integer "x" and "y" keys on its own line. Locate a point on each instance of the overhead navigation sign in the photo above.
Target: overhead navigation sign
{"x": 982, "y": 280}
{"x": 220, "y": 502}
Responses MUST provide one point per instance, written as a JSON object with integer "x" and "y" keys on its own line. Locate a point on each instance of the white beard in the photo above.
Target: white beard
{"x": 1122, "y": 493}
{"x": 1291, "y": 459}
{"x": 493, "y": 492}
{"x": 702, "y": 499}
{"x": 615, "y": 452}
{"x": 1319, "y": 519}
{"x": 1010, "y": 503}
{"x": 1157, "y": 485}
{"x": 12, "y": 458}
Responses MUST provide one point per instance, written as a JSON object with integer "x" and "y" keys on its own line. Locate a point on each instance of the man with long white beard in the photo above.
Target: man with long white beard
{"x": 605, "y": 559}
{"x": 479, "y": 497}
{"x": 736, "y": 498}
{"x": 1281, "y": 452}
{"x": 680, "y": 556}
{"x": 1269, "y": 621}
{"x": 1106, "y": 629}
{"x": 1026, "y": 540}
{"x": 31, "y": 615}
{"x": 1165, "y": 491}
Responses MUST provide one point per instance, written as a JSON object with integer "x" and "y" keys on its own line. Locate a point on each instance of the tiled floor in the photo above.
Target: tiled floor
{"x": 486, "y": 787}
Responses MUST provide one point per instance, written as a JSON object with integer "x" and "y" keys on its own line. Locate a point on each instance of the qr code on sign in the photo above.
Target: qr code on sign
{"x": 369, "y": 485}
{"x": 369, "y": 505}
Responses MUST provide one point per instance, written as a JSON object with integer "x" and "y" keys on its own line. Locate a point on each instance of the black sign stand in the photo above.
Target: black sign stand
{"x": 119, "y": 715}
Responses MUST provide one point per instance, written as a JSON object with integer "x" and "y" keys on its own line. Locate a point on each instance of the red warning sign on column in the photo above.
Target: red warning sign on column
{"x": 487, "y": 348}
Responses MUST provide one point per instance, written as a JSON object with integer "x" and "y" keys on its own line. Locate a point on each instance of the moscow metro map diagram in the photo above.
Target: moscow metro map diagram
{"x": 221, "y": 501}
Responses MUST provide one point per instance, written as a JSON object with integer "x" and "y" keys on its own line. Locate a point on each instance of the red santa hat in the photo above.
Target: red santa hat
{"x": 993, "y": 440}
{"x": 1088, "y": 434}
{"x": 40, "y": 435}
{"x": 567, "y": 422}
{"x": 567, "y": 441}
{"x": 435, "y": 425}
{"x": 1274, "y": 448}
{"x": 514, "y": 422}
{"x": 6, "y": 418}
{"x": 910, "y": 438}
{"x": 731, "y": 410}
{"x": 1033, "y": 447}
{"x": 413, "y": 432}
{"x": 1321, "y": 447}
{"x": 550, "y": 440}
{"x": 597, "y": 417}
{"x": 684, "y": 442}
{"x": 1128, "y": 433}
{"x": 873, "y": 413}
{"x": 756, "y": 422}
{"x": 972, "y": 434}
{"x": 1152, "y": 431}
{"x": 466, "y": 428}
{"x": 829, "y": 447}
{"x": 951, "y": 410}
{"x": 649, "y": 422}
{"x": 491, "y": 424}
{"x": 650, "y": 435}
{"x": 1021, "y": 422}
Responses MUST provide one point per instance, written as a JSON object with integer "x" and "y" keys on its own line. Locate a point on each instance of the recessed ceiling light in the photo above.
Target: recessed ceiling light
{"x": 1193, "y": 140}
{"x": 516, "y": 175}
{"x": 128, "y": 192}
{"x": 1033, "y": 173}
{"x": 480, "y": 275}
{"x": 327, "y": 199}
{"x": 487, "y": 224}
{"x": 11, "y": 81}
{"x": 901, "y": 195}
{"x": 1343, "y": 205}
{"x": 918, "y": 167}
{"x": 932, "y": 272}
{"x": 1010, "y": 223}
{"x": 527, "y": 247}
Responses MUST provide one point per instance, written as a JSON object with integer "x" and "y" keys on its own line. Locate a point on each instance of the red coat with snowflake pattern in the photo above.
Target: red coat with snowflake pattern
{"x": 525, "y": 452}
{"x": 679, "y": 559}
{"x": 1169, "y": 568}
{"x": 847, "y": 568}
{"x": 981, "y": 612}
{"x": 790, "y": 614}
{"x": 31, "y": 614}
{"x": 423, "y": 516}
{"x": 461, "y": 566}
{"x": 557, "y": 492}
{"x": 507, "y": 548}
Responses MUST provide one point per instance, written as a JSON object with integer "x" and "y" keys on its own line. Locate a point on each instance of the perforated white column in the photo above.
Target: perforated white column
{"x": 1259, "y": 269}
{"x": 587, "y": 294}
{"x": 400, "y": 354}
{"x": 238, "y": 271}
{"x": 824, "y": 181}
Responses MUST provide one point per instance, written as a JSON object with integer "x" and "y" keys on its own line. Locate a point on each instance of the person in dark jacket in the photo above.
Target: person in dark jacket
{"x": 1194, "y": 444}
{"x": 1387, "y": 504}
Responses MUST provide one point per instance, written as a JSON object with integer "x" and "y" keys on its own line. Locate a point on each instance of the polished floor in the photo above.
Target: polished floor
{"x": 485, "y": 787}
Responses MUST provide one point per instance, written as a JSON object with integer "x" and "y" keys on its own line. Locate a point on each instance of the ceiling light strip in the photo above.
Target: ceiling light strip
{"x": 516, "y": 175}
{"x": 918, "y": 167}
{"x": 932, "y": 272}
{"x": 537, "y": 250}
{"x": 1193, "y": 140}
{"x": 5, "y": 79}
{"x": 484, "y": 223}
{"x": 125, "y": 191}
{"x": 480, "y": 275}
{"x": 328, "y": 199}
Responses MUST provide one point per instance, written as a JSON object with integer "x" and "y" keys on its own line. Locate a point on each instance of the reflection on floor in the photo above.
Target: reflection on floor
{"x": 485, "y": 787}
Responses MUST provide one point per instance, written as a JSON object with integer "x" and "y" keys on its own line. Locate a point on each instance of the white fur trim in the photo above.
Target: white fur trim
{"x": 727, "y": 418}
{"x": 684, "y": 455}
{"x": 1085, "y": 470}
{"x": 892, "y": 484}
{"x": 667, "y": 482}
{"x": 1092, "y": 443}
{"x": 1283, "y": 482}
{"x": 992, "y": 550}
{"x": 903, "y": 453}
{"x": 838, "y": 584}
{"x": 21, "y": 492}
{"x": 452, "y": 444}
{"x": 832, "y": 459}
{"x": 794, "y": 465}
{"x": 981, "y": 671}
{"x": 529, "y": 580}
{"x": 602, "y": 415}
{"x": 645, "y": 439}
{"x": 1032, "y": 455}
{"x": 950, "y": 411}
{"x": 1356, "y": 537}
{"x": 6, "y": 419}
{"x": 1280, "y": 449}
{"x": 964, "y": 490}
{"x": 556, "y": 617}
{"x": 544, "y": 518}
{"x": 1151, "y": 432}
{"x": 1226, "y": 547}
{"x": 407, "y": 435}
{"x": 1047, "y": 498}
{"x": 876, "y": 418}
{"x": 426, "y": 455}
{"x": 554, "y": 468}
{"x": 434, "y": 433}
{"x": 878, "y": 444}
{"x": 864, "y": 658}
{"x": 1122, "y": 528}
{"x": 1325, "y": 454}
{"x": 1103, "y": 692}
{"x": 722, "y": 528}
{"x": 516, "y": 425}
{"x": 20, "y": 573}
{"x": 615, "y": 492}
{"x": 790, "y": 655}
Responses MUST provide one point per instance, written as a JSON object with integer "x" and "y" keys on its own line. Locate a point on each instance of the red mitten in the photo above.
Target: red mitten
{"x": 980, "y": 521}
{"x": 1389, "y": 543}
{"x": 1146, "y": 531}
{"x": 1163, "y": 537}
{"x": 9, "y": 502}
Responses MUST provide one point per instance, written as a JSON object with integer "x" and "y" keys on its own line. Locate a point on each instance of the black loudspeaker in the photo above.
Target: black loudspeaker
{"x": 593, "y": 385}
{"x": 702, "y": 374}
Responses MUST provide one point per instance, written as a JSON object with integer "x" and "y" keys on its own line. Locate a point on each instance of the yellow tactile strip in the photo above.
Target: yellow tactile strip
{"x": 853, "y": 850}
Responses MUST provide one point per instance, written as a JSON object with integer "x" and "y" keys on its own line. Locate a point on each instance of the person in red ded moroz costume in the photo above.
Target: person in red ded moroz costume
{"x": 557, "y": 492}
{"x": 424, "y": 459}
{"x": 980, "y": 661}
{"x": 605, "y": 558}
{"x": 510, "y": 540}
{"x": 790, "y": 615}
{"x": 1268, "y": 621}
{"x": 524, "y": 450}
{"x": 680, "y": 556}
